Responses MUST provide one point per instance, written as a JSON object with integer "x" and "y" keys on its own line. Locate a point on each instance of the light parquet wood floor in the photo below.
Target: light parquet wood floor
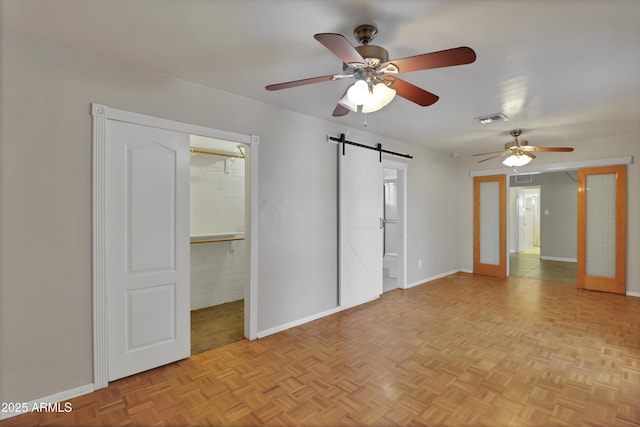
{"x": 216, "y": 326}
{"x": 462, "y": 350}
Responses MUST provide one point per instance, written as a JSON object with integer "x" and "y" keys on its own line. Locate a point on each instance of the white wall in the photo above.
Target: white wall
{"x": 584, "y": 150}
{"x": 217, "y": 197}
{"x": 45, "y": 200}
{"x": 432, "y": 208}
{"x": 558, "y": 216}
{"x": 218, "y": 273}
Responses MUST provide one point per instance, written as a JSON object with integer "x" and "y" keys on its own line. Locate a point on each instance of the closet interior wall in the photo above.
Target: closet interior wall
{"x": 219, "y": 255}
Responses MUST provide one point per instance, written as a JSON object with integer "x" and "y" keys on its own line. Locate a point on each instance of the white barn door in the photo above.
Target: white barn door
{"x": 360, "y": 226}
{"x": 147, "y": 247}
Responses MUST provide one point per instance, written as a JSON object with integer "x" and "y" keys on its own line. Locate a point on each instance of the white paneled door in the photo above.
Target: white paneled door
{"x": 360, "y": 223}
{"x": 147, "y": 237}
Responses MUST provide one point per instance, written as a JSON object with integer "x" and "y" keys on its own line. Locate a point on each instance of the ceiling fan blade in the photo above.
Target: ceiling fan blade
{"x": 302, "y": 82}
{"x": 527, "y": 153}
{"x": 493, "y": 157}
{"x": 427, "y": 61}
{"x": 412, "y": 93}
{"x": 340, "y": 47}
{"x": 340, "y": 110}
{"x": 486, "y": 154}
{"x": 564, "y": 149}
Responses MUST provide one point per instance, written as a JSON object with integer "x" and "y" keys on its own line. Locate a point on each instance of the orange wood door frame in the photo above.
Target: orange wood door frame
{"x": 498, "y": 270}
{"x": 618, "y": 283}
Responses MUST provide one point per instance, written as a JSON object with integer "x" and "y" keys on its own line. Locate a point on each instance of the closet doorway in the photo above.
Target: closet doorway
{"x": 141, "y": 169}
{"x": 219, "y": 250}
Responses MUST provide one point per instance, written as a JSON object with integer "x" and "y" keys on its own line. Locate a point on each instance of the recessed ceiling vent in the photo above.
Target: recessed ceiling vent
{"x": 485, "y": 120}
{"x": 520, "y": 179}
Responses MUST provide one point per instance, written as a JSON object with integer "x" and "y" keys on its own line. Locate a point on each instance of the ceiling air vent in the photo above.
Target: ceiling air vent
{"x": 520, "y": 179}
{"x": 492, "y": 118}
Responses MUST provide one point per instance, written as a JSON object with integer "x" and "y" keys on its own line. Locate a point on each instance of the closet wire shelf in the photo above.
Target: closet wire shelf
{"x": 226, "y": 239}
{"x": 194, "y": 150}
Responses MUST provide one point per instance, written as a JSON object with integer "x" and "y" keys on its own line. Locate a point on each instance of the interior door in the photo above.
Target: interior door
{"x": 521, "y": 221}
{"x": 529, "y": 204}
{"x": 602, "y": 229}
{"x": 360, "y": 226}
{"x": 490, "y": 225}
{"x": 147, "y": 229}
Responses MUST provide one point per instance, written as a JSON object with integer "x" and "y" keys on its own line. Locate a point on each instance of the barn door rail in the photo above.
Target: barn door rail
{"x": 341, "y": 140}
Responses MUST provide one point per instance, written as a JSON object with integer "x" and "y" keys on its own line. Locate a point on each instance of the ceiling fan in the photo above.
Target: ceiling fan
{"x": 376, "y": 76}
{"x": 520, "y": 152}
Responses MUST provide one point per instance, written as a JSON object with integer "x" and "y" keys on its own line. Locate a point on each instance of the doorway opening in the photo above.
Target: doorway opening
{"x": 391, "y": 232}
{"x": 542, "y": 226}
{"x": 394, "y": 220}
{"x": 219, "y": 251}
{"x": 528, "y": 219}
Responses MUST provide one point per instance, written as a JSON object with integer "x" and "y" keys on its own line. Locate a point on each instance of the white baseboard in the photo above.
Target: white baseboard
{"x": 288, "y": 325}
{"x": 462, "y": 270}
{"x": 633, "y": 294}
{"x": 553, "y": 258}
{"x": 430, "y": 279}
{"x": 54, "y": 398}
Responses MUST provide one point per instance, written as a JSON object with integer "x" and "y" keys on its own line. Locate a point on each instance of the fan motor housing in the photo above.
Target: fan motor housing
{"x": 516, "y": 144}
{"x": 374, "y": 55}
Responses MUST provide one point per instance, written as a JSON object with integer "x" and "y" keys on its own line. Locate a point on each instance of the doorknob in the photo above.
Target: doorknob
{"x": 382, "y": 222}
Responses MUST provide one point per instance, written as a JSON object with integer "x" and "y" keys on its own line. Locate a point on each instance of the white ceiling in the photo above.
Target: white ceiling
{"x": 564, "y": 71}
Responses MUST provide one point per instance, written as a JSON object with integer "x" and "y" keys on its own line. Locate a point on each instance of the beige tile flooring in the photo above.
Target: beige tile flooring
{"x": 528, "y": 264}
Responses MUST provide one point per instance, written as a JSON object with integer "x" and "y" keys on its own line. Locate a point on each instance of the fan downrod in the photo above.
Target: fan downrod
{"x": 365, "y": 33}
{"x": 516, "y": 133}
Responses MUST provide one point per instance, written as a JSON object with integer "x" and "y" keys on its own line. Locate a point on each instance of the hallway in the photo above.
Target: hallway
{"x": 528, "y": 264}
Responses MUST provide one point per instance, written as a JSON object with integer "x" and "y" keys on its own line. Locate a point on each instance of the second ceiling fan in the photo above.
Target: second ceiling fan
{"x": 520, "y": 152}
{"x": 376, "y": 76}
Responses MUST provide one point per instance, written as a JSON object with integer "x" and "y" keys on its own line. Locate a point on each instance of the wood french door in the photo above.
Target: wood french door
{"x": 602, "y": 228}
{"x": 360, "y": 226}
{"x": 147, "y": 232}
{"x": 490, "y": 225}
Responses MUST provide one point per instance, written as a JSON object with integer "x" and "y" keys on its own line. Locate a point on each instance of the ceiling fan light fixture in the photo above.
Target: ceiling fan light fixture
{"x": 358, "y": 92}
{"x": 378, "y": 98}
{"x": 516, "y": 160}
{"x": 346, "y": 102}
{"x": 371, "y": 63}
{"x": 381, "y": 96}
